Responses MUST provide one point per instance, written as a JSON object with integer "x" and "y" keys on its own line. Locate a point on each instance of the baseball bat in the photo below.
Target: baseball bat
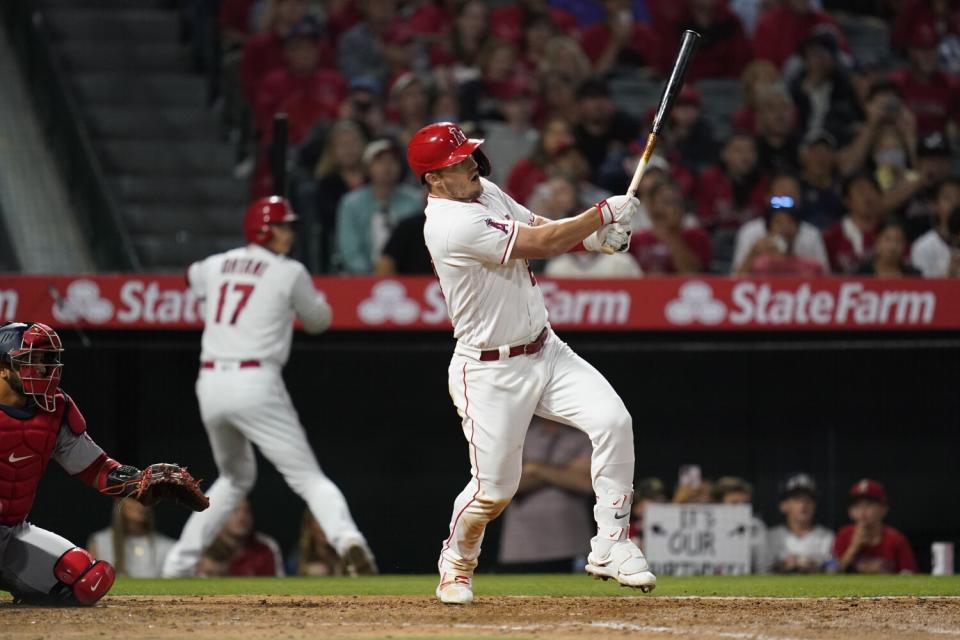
{"x": 667, "y": 98}
{"x": 278, "y": 165}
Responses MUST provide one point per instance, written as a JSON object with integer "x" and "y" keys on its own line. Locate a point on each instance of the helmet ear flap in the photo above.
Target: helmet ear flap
{"x": 483, "y": 162}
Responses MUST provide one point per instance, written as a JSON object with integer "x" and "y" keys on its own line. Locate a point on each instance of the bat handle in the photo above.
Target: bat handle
{"x": 642, "y": 165}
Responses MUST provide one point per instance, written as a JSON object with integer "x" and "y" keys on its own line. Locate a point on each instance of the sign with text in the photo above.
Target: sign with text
{"x": 698, "y": 539}
{"x": 164, "y": 301}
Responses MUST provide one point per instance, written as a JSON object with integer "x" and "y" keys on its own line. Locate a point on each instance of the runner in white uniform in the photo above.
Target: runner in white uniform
{"x": 251, "y": 295}
{"x": 508, "y": 364}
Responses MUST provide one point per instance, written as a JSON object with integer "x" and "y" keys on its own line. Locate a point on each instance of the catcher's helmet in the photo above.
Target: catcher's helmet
{"x": 264, "y": 212}
{"x": 33, "y": 349}
{"x": 443, "y": 144}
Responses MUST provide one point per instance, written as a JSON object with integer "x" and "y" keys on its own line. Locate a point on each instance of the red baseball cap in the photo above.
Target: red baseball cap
{"x": 868, "y": 490}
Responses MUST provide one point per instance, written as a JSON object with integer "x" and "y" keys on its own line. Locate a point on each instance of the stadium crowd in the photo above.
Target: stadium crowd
{"x": 833, "y": 164}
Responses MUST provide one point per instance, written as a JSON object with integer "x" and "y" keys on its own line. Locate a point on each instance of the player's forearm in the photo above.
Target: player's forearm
{"x": 557, "y": 237}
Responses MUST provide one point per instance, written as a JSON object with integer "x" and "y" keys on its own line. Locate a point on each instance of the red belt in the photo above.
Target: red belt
{"x": 243, "y": 364}
{"x": 520, "y": 350}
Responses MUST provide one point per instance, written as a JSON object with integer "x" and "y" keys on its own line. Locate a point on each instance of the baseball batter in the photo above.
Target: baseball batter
{"x": 38, "y": 421}
{"x": 508, "y": 365}
{"x": 251, "y": 295}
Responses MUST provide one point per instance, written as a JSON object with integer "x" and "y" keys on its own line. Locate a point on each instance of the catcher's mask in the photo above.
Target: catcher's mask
{"x": 33, "y": 351}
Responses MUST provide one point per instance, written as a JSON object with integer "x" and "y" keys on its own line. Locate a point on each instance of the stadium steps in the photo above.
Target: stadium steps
{"x": 146, "y": 109}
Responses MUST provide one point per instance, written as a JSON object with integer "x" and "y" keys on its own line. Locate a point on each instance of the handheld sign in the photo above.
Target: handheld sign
{"x": 698, "y": 539}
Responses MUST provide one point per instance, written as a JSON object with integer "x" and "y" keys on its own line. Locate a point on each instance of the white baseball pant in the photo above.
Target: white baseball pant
{"x": 241, "y": 407}
{"x": 28, "y": 555}
{"x": 496, "y": 401}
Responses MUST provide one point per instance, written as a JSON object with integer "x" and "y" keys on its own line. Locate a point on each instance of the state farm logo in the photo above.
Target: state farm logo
{"x": 388, "y": 302}
{"x": 82, "y": 303}
{"x": 696, "y": 304}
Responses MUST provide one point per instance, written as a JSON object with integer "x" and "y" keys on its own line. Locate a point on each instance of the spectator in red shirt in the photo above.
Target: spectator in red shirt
{"x": 757, "y": 76}
{"x": 850, "y": 241}
{"x": 556, "y": 135}
{"x": 941, "y": 16}
{"x": 508, "y": 21}
{"x": 619, "y": 41}
{"x": 733, "y": 191}
{"x": 868, "y": 545}
{"x": 670, "y": 246}
{"x": 723, "y": 50}
{"x": 781, "y": 29}
{"x": 932, "y": 95}
{"x": 248, "y": 552}
{"x": 264, "y": 51}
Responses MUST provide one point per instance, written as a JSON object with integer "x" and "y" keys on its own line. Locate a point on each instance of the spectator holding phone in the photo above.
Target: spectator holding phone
{"x": 800, "y": 545}
{"x": 868, "y": 545}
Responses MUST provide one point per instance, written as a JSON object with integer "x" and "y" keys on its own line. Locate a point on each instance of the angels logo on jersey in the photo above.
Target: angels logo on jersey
{"x": 501, "y": 226}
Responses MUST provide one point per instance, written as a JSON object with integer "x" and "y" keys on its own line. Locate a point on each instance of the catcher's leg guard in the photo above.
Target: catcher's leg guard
{"x": 88, "y": 579}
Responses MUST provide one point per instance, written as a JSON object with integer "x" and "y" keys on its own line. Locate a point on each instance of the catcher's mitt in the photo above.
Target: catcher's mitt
{"x": 166, "y": 481}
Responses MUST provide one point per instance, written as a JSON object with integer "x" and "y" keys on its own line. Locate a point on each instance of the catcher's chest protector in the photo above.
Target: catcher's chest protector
{"x": 27, "y": 439}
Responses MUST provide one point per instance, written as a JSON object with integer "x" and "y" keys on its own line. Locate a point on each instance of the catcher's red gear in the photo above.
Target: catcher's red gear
{"x": 33, "y": 350}
{"x": 88, "y": 579}
{"x": 443, "y": 144}
{"x": 155, "y": 483}
{"x": 264, "y": 212}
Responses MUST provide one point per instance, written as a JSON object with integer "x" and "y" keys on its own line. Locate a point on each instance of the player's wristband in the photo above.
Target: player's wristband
{"x": 606, "y": 213}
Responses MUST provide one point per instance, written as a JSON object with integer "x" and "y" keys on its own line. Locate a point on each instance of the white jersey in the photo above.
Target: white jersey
{"x": 815, "y": 546}
{"x": 931, "y": 254}
{"x": 492, "y": 300}
{"x": 251, "y": 295}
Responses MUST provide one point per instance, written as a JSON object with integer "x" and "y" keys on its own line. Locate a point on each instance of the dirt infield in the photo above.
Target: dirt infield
{"x": 254, "y": 617}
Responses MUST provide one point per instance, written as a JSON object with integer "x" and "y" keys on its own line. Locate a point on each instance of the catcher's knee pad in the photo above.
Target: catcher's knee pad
{"x": 88, "y": 579}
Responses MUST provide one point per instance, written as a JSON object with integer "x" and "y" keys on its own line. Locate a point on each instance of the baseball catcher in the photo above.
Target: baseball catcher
{"x": 38, "y": 421}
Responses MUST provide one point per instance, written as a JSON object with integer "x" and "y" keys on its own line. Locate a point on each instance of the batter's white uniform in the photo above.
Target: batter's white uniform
{"x": 251, "y": 295}
{"x": 494, "y": 303}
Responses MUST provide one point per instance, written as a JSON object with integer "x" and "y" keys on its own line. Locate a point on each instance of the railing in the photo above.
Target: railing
{"x": 67, "y": 134}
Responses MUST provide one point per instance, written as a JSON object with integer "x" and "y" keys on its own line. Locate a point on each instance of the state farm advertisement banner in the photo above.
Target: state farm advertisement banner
{"x": 143, "y": 301}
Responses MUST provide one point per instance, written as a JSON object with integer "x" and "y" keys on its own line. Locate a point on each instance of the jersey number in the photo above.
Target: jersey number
{"x": 243, "y": 289}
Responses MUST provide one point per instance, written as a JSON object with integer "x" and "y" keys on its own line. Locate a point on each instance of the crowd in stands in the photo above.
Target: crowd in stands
{"x": 833, "y": 165}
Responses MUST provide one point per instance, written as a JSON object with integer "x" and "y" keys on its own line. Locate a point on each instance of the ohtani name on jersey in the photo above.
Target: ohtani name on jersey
{"x": 246, "y": 266}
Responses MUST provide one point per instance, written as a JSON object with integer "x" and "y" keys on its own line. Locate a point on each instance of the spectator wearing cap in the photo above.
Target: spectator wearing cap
{"x": 545, "y": 525}
{"x": 556, "y": 135}
{"x": 688, "y": 134}
{"x": 781, "y": 29}
{"x": 822, "y": 91}
{"x": 723, "y": 50}
{"x": 367, "y": 216}
{"x": 509, "y": 19}
{"x": 619, "y": 41}
{"x": 868, "y": 545}
{"x": 733, "y": 490}
{"x": 360, "y": 50}
{"x": 302, "y": 89}
{"x": 780, "y": 242}
{"x": 601, "y": 127}
{"x": 264, "y": 52}
{"x": 937, "y": 252}
{"x": 670, "y": 246}
{"x": 735, "y": 190}
{"x": 932, "y": 95}
{"x": 887, "y": 259}
{"x": 648, "y": 491}
{"x": 800, "y": 545}
{"x": 820, "y": 198}
{"x": 775, "y": 129}
{"x": 850, "y": 241}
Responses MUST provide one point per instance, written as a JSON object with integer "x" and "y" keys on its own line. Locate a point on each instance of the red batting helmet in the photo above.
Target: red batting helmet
{"x": 33, "y": 350}
{"x": 264, "y": 212}
{"x": 443, "y": 144}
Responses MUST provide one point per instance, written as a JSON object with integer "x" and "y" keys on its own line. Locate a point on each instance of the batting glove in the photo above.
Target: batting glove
{"x": 618, "y": 209}
{"x": 608, "y": 239}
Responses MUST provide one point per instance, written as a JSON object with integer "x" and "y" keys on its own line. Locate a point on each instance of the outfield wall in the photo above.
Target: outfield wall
{"x": 377, "y": 411}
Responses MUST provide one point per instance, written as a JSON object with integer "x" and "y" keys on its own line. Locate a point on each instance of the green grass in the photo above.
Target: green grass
{"x": 554, "y": 585}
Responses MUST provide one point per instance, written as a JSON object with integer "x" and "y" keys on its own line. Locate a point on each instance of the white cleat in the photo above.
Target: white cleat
{"x": 625, "y": 564}
{"x": 455, "y": 589}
